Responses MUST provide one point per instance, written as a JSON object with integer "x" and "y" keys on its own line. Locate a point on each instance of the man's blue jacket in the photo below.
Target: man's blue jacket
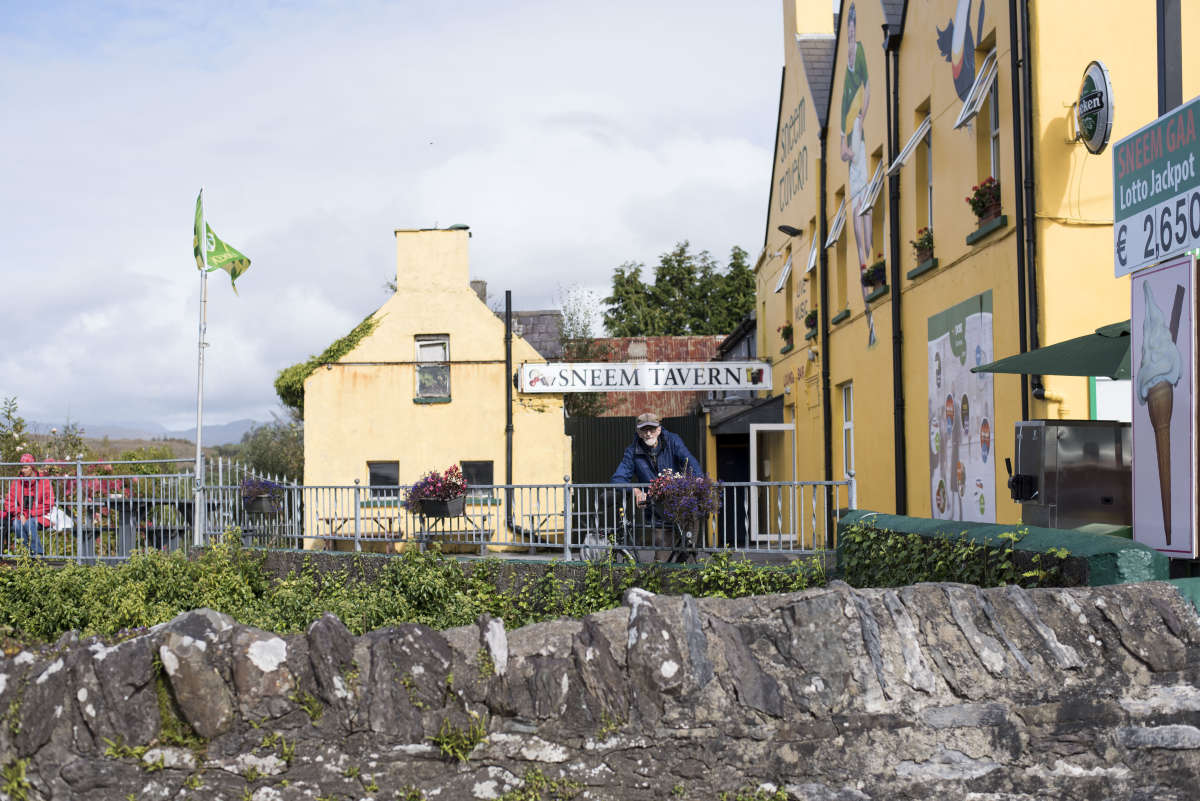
{"x": 639, "y": 466}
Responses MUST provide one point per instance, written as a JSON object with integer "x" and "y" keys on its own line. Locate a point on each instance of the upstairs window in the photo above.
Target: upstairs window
{"x": 433, "y": 367}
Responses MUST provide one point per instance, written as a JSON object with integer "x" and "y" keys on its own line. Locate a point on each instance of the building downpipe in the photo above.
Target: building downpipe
{"x": 891, "y": 62}
{"x": 826, "y": 403}
{"x": 1019, "y": 198}
{"x": 1026, "y": 160}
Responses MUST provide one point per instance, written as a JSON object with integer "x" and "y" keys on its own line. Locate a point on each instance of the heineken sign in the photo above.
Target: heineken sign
{"x": 644, "y": 377}
{"x": 1156, "y": 191}
{"x": 1094, "y": 108}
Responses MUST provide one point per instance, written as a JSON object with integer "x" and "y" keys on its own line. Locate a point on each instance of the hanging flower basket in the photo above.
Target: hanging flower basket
{"x": 260, "y": 505}
{"x": 438, "y": 494}
{"x": 434, "y": 507}
{"x": 261, "y": 496}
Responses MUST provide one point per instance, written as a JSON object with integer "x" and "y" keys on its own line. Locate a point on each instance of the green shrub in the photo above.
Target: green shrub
{"x": 874, "y": 557}
{"x": 41, "y": 601}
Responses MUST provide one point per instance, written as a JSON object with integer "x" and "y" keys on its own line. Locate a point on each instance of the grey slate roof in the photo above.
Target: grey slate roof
{"x": 893, "y": 13}
{"x": 817, "y": 51}
{"x": 541, "y": 329}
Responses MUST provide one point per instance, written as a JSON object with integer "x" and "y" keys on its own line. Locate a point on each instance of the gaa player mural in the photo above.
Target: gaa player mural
{"x": 957, "y": 45}
{"x": 856, "y": 98}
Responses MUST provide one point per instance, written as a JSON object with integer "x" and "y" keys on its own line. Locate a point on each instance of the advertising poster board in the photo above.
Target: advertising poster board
{"x": 1163, "y": 351}
{"x": 962, "y": 470}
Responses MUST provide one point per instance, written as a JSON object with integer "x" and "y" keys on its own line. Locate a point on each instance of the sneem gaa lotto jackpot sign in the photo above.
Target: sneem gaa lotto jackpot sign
{"x": 1156, "y": 192}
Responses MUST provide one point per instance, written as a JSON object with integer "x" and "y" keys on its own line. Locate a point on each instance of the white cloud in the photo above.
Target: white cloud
{"x": 571, "y": 138}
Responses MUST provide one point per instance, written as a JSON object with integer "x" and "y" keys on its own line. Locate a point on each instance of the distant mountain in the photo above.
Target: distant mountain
{"x": 224, "y": 434}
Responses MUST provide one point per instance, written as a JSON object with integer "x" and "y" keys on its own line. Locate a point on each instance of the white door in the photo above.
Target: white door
{"x": 772, "y": 509}
{"x": 848, "y": 441}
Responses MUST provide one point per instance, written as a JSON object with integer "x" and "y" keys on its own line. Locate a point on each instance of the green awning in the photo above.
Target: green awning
{"x": 1104, "y": 353}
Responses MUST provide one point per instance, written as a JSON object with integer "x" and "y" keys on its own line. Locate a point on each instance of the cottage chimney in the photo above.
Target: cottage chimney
{"x": 432, "y": 260}
{"x": 805, "y": 16}
{"x": 480, "y": 288}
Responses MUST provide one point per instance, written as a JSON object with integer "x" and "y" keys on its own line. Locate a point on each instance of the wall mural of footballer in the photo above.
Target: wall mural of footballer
{"x": 856, "y": 99}
{"x": 957, "y": 45}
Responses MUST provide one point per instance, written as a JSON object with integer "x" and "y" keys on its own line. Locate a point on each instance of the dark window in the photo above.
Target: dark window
{"x": 478, "y": 475}
{"x": 384, "y": 479}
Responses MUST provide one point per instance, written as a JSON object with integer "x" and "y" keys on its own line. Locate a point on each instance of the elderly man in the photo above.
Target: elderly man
{"x": 652, "y": 451}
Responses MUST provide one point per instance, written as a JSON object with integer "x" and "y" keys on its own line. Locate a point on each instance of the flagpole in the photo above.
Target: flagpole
{"x": 198, "y": 505}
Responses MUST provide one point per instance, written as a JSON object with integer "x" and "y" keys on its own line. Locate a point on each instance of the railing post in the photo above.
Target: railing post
{"x": 357, "y": 516}
{"x": 567, "y": 522}
{"x": 78, "y": 511}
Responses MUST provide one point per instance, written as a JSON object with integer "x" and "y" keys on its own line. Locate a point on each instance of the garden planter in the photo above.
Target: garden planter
{"x": 261, "y": 505}
{"x": 990, "y": 213}
{"x": 437, "y": 508}
{"x": 924, "y": 255}
{"x": 875, "y": 275}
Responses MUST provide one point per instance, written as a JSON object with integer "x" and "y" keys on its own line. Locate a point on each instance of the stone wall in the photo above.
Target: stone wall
{"x": 931, "y": 691}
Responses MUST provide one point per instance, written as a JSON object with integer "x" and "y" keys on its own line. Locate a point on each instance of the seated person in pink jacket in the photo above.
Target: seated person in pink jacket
{"x": 30, "y": 499}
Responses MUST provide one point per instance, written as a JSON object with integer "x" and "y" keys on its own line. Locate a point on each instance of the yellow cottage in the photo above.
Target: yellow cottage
{"x": 427, "y": 388}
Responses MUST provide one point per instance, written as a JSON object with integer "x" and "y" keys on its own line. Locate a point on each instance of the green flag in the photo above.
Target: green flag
{"x": 217, "y": 255}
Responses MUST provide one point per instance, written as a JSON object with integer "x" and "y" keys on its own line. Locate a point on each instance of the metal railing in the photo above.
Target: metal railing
{"x": 97, "y": 511}
{"x": 106, "y": 511}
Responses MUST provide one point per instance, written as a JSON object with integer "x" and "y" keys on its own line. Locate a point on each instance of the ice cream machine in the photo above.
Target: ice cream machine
{"x": 1072, "y": 472}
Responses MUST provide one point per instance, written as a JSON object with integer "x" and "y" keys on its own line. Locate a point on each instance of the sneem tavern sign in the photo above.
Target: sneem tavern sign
{"x": 1156, "y": 193}
{"x": 644, "y": 376}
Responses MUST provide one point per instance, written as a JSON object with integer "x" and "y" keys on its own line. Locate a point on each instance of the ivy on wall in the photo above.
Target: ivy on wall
{"x": 289, "y": 384}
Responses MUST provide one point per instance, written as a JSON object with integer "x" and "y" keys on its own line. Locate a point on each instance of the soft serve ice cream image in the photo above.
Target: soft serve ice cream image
{"x": 1158, "y": 373}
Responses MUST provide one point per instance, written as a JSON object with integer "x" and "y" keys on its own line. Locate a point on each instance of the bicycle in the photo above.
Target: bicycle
{"x": 607, "y": 530}
{"x": 683, "y": 543}
{"x": 679, "y": 542}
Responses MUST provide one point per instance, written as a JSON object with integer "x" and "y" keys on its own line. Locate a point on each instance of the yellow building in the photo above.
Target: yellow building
{"x": 427, "y": 387}
{"x": 891, "y": 113}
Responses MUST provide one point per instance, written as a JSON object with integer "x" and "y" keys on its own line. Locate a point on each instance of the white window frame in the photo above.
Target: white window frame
{"x": 994, "y": 129}
{"x": 835, "y": 229}
{"x": 755, "y": 533}
{"x": 812, "y": 258}
{"x": 783, "y": 276}
{"x": 872, "y": 190}
{"x": 929, "y": 178}
{"x": 984, "y": 79}
{"x": 906, "y": 153}
{"x": 848, "y": 471}
{"x": 426, "y": 346}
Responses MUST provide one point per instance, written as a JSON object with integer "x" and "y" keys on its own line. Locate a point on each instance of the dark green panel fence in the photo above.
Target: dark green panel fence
{"x": 597, "y": 443}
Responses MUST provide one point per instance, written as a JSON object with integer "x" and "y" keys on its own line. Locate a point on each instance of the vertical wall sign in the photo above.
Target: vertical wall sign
{"x": 962, "y": 471}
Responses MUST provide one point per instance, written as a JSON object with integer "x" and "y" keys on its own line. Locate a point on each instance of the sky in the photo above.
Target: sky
{"x": 570, "y": 137}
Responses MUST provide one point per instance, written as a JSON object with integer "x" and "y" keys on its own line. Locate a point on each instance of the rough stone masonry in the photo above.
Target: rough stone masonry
{"x": 936, "y": 691}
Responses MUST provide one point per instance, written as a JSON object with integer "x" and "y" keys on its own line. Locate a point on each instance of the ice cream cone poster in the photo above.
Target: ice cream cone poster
{"x": 1163, "y": 349}
{"x": 962, "y": 481}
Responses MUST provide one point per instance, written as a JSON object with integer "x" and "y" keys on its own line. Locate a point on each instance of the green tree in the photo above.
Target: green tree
{"x": 691, "y": 294}
{"x": 67, "y": 443}
{"x": 630, "y": 311}
{"x": 14, "y": 439}
{"x": 579, "y": 344}
{"x": 275, "y": 448}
